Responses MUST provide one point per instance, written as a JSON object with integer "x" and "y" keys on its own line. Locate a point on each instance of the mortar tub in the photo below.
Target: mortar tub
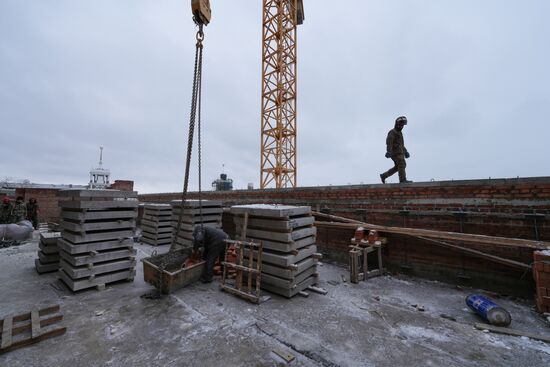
{"x": 173, "y": 277}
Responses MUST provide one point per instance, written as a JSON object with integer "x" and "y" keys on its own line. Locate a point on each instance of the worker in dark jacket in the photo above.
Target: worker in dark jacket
{"x": 32, "y": 212}
{"x": 6, "y": 211}
{"x": 395, "y": 149}
{"x": 212, "y": 240}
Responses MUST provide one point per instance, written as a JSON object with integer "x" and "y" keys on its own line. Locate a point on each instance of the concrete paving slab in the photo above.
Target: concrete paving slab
{"x": 288, "y": 283}
{"x": 49, "y": 238}
{"x": 289, "y": 293}
{"x": 196, "y": 203}
{"x": 96, "y": 237}
{"x": 275, "y": 224}
{"x": 285, "y": 260}
{"x": 279, "y": 236}
{"x": 158, "y": 218}
{"x": 45, "y": 268}
{"x": 79, "y": 193}
{"x": 158, "y": 230}
{"x": 85, "y": 248}
{"x": 156, "y": 224}
{"x": 99, "y": 215}
{"x": 98, "y": 204}
{"x": 280, "y": 246}
{"x": 158, "y": 242}
{"x": 77, "y": 285}
{"x": 286, "y": 273}
{"x": 97, "y": 269}
{"x": 197, "y": 212}
{"x": 98, "y": 226}
{"x": 157, "y": 207}
{"x": 48, "y": 250}
{"x": 48, "y": 259}
{"x": 270, "y": 211}
{"x": 85, "y": 259}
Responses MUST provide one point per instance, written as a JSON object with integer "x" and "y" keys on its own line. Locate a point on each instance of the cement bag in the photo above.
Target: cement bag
{"x": 18, "y": 232}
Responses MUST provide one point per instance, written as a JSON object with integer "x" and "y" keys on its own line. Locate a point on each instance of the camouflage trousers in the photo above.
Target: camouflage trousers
{"x": 399, "y": 166}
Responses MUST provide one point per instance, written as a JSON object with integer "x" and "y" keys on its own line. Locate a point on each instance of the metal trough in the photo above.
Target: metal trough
{"x": 174, "y": 277}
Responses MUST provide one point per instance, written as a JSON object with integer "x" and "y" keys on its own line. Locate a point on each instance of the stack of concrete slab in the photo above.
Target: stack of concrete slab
{"x": 289, "y": 260}
{"x": 156, "y": 224}
{"x": 96, "y": 245}
{"x": 195, "y": 212}
{"x": 48, "y": 253}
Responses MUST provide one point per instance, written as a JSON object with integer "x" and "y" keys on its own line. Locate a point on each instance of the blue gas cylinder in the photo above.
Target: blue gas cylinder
{"x": 488, "y": 310}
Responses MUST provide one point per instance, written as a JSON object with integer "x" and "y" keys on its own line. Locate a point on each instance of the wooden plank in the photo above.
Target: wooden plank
{"x": 43, "y": 323}
{"x": 452, "y": 236}
{"x": 29, "y": 341}
{"x": 285, "y": 356}
{"x": 35, "y": 324}
{"x": 6, "y": 332}
{"x": 484, "y": 255}
{"x": 507, "y": 331}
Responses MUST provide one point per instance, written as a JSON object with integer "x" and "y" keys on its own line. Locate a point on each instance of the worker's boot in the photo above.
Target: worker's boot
{"x": 206, "y": 280}
{"x": 405, "y": 181}
{"x": 383, "y": 178}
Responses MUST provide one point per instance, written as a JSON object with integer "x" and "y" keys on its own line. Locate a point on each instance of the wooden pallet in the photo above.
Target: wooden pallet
{"x": 43, "y": 325}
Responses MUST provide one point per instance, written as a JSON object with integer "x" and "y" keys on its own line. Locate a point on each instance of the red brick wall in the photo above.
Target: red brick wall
{"x": 493, "y": 207}
{"x": 122, "y": 185}
{"x": 541, "y": 273}
{"x": 47, "y": 202}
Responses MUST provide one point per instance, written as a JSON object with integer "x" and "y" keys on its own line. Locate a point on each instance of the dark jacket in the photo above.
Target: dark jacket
{"x": 395, "y": 145}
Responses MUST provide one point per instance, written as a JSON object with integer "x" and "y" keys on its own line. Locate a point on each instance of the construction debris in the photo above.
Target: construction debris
{"x": 96, "y": 247}
{"x": 289, "y": 263}
{"x": 195, "y": 212}
{"x": 48, "y": 253}
{"x": 507, "y": 331}
{"x": 30, "y": 328}
{"x": 156, "y": 224}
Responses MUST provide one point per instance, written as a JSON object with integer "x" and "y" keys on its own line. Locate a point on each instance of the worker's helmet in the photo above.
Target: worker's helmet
{"x": 401, "y": 120}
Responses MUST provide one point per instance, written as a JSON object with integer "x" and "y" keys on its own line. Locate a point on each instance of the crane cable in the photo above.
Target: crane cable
{"x": 196, "y": 97}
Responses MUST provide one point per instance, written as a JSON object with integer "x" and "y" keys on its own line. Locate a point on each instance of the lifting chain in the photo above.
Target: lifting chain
{"x": 195, "y": 117}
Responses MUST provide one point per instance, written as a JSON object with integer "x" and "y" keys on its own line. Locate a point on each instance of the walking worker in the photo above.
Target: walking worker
{"x": 395, "y": 149}
{"x": 19, "y": 212}
{"x": 32, "y": 212}
{"x": 212, "y": 240}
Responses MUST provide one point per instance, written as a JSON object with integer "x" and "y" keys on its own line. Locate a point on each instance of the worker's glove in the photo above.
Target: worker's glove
{"x": 407, "y": 155}
{"x": 388, "y": 155}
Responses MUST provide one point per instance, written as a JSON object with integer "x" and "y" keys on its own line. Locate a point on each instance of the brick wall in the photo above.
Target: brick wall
{"x": 47, "y": 202}
{"x": 122, "y": 185}
{"x": 541, "y": 273}
{"x": 502, "y": 207}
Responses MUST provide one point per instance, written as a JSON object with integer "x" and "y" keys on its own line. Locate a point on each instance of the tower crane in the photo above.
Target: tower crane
{"x": 278, "y": 158}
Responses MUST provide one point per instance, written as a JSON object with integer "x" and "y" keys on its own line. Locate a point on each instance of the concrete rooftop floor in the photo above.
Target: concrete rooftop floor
{"x": 370, "y": 324}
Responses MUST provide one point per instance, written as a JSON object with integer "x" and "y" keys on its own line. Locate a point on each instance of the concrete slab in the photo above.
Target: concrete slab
{"x": 286, "y": 273}
{"x": 80, "y": 193}
{"x": 197, "y": 212}
{"x": 156, "y": 224}
{"x": 157, "y": 207}
{"x": 159, "y": 242}
{"x": 49, "y": 238}
{"x": 45, "y": 268}
{"x": 96, "y": 269}
{"x": 98, "y": 204}
{"x": 289, "y": 237}
{"x": 81, "y": 259}
{"x": 356, "y": 325}
{"x": 98, "y": 226}
{"x": 99, "y": 215}
{"x": 159, "y": 230}
{"x": 96, "y": 237}
{"x": 280, "y": 246}
{"x": 285, "y": 260}
{"x": 268, "y": 279}
{"x": 48, "y": 250}
{"x": 289, "y": 293}
{"x": 196, "y": 203}
{"x": 158, "y": 218}
{"x": 275, "y": 224}
{"x": 84, "y": 248}
{"x": 77, "y": 285}
{"x": 156, "y": 236}
{"x": 48, "y": 259}
{"x": 270, "y": 211}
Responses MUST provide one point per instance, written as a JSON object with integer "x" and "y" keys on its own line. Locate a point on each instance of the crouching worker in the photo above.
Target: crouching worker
{"x": 212, "y": 240}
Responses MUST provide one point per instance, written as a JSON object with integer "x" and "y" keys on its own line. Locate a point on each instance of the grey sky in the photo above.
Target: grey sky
{"x": 471, "y": 76}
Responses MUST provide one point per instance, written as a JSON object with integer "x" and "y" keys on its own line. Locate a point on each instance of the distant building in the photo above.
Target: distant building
{"x": 223, "y": 183}
{"x": 99, "y": 177}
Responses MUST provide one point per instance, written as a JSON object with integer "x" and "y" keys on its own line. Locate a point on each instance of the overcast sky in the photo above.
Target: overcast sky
{"x": 471, "y": 76}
